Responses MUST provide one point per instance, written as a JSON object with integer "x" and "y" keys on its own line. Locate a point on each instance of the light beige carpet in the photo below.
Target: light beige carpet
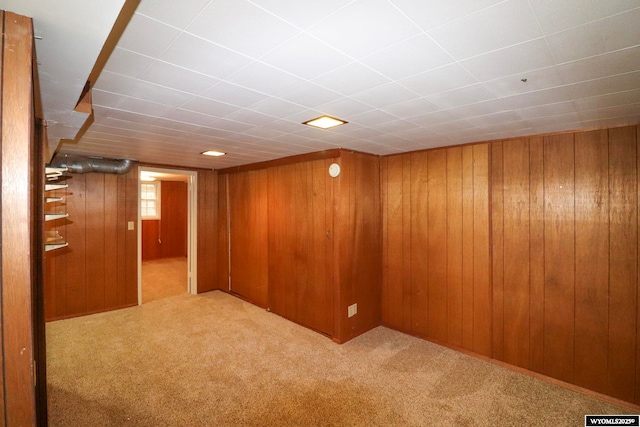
{"x": 215, "y": 360}
{"x": 162, "y": 278}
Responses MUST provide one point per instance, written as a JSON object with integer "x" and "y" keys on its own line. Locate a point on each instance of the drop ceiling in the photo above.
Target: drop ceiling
{"x": 240, "y": 76}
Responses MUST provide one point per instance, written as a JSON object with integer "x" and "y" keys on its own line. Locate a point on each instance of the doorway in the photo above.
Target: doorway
{"x": 167, "y": 234}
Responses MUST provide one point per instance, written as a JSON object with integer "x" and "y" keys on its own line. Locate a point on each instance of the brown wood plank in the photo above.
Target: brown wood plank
{"x": 211, "y": 221}
{"x": 406, "y": 275}
{"x": 559, "y": 314}
{"x": 437, "y": 244}
{"x": 516, "y": 252}
{"x": 394, "y": 243}
{"x": 17, "y": 221}
{"x": 637, "y": 397}
{"x": 467, "y": 247}
{"x": 60, "y": 258}
{"x": 76, "y": 237}
{"x": 2, "y": 396}
{"x": 223, "y": 234}
{"x": 592, "y": 259}
{"x": 122, "y": 240}
{"x": 259, "y": 291}
{"x": 131, "y": 240}
{"x": 481, "y": 258}
{"x": 150, "y": 239}
{"x": 419, "y": 243}
{"x": 454, "y": 246}
{"x": 384, "y": 201}
{"x": 536, "y": 254}
{"x": 623, "y": 261}
{"x": 95, "y": 233}
{"x": 111, "y": 232}
{"x": 174, "y": 219}
{"x": 497, "y": 236}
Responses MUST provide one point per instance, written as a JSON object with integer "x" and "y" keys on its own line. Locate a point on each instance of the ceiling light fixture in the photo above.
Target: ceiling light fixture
{"x": 213, "y": 153}
{"x": 324, "y": 122}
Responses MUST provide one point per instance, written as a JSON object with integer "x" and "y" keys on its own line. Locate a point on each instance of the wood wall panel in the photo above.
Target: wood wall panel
{"x": 168, "y": 236}
{"x": 208, "y": 274}
{"x": 98, "y": 270}
{"x": 623, "y": 261}
{"x": 223, "y": 233}
{"x": 248, "y": 206}
{"x": 442, "y": 197}
{"x": 571, "y": 216}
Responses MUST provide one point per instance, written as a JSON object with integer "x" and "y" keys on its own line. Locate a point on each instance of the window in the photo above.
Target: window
{"x": 150, "y": 200}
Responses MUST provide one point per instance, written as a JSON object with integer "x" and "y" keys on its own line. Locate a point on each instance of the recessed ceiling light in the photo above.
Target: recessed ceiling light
{"x": 324, "y": 122}
{"x": 213, "y": 153}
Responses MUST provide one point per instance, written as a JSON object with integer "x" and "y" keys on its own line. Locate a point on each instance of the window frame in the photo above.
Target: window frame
{"x": 158, "y": 200}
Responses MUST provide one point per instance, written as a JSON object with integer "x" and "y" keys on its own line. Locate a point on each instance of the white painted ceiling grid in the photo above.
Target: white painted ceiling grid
{"x": 240, "y": 76}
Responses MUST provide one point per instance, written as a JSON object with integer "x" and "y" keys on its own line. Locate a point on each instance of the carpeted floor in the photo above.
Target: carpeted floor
{"x": 162, "y": 278}
{"x": 215, "y": 360}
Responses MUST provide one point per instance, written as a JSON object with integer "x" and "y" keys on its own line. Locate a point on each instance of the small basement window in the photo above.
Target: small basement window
{"x": 150, "y": 200}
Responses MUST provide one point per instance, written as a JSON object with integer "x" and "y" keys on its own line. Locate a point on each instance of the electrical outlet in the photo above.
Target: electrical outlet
{"x": 352, "y": 310}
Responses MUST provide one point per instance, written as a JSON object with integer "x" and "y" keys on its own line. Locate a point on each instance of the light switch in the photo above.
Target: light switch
{"x": 130, "y": 225}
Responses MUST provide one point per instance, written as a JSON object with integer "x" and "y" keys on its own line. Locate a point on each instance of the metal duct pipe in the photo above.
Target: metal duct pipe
{"x": 82, "y": 164}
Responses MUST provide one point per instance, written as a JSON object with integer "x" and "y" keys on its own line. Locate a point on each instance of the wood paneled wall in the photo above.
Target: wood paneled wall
{"x": 167, "y": 237}
{"x": 565, "y": 258}
{"x": 207, "y": 230}
{"x": 357, "y": 245}
{"x": 21, "y": 241}
{"x": 435, "y": 234}
{"x": 249, "y": 228}
{"x": 98, "y": 270}
{"x": 301, "y": 235}
{"x": 308, "y": 242}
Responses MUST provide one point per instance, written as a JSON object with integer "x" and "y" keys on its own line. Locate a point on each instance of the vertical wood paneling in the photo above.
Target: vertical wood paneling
{"x": 623, "y": 261}
{"x": 174, "y": 219}
{"x": 497, "y": 230}
{"x": 592, "y": 259}
{"x": 406, "y": 273}
{"x": 454, "y": 246}
{"x": 419, "y": 239}
{"x": 536, "y": 253}
{"x": 559, "y": 236}
{"x": 467, "y": 248}
{"x": 393, "y": 268}
{"x": 437, "y": 243}
{"x": 95, "y": 237}
{"x": 516, "y": 252}
{"x": 208, "y": 231}
{"x": 98, "y": 270}
{"x": 481, "y": 258}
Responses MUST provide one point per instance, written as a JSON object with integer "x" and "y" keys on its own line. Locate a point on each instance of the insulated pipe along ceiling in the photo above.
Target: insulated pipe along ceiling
{"x": 82, "y": 164}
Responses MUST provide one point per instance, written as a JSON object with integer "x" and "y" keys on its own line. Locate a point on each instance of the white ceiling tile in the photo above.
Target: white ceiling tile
{"x": 560, "y": 15}
{"x": 364, "y": 27}
{"x": 541, "y": 97}
{"x": 544, "y": 78}
{"x": 147, "y": 36}
{"x": 301, "y": 13}
{"x": 411, "y": 108}
{"x": 276, "y": 107}
{"x": 112, "y": 82}
{"x": 546, "y": 110}
{"x": 167, "y": 12}
{"x": 514, "y": 60}
{"x": 233, "y": 94}
{"x": 439, "y": 80}
{"x": 199, "y": 55}
{"x": 251, "y": 117}
{"x": 609, "y": 64}
{"x": 382, "y": 96}
{"x": 480, "y": 108}
{"x": 430, "y": 14}
{"x": 209, "y": 107}
{"x": 596, "y": 38}
{"x": 619, "y": 83}
{"x": 144, "y": 107}
{"x": 231, "y": 125}
{"x": 505, "y": 24}
{"x": 463, "y": 96}
{"x": 412, "y": 56}
{"x": 608, "y": 101}
{"x": 169, "y": 75}
{"x": 264, "y": 78}
{"x": 495, "y": 119}
{"x": 394, "y": 126}
{"x": 160, "y": 94}
{"x": 238, "y": 24}
{"x": 286, "y": 126}
{"x": 309, "y": 95}
{"x": 431, "y": 119}
{"x": 101, "y": 98}
{"x": 372, "y": 117}
{"x": 344, "y": 108}
{"x": 127, "y": 63}
{"x": 351, "y": 79}
{"x": 305, "y": 57}
{"x": 191, "y": 118}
